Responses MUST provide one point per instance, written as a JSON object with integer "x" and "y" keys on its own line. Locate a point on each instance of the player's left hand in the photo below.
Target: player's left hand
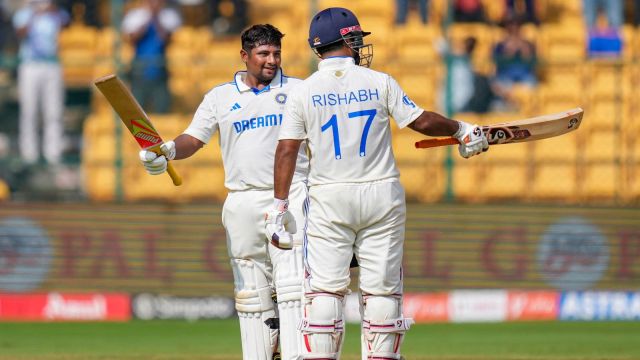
{"x": 472, "y": 140}
{"x": 280, "y": 225}
{"x": 169, "y": 149}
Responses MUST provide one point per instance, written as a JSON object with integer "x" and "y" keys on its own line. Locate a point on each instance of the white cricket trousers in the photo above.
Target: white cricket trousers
{"x": 41, "y": 88}
{"x": 365, "y": 219}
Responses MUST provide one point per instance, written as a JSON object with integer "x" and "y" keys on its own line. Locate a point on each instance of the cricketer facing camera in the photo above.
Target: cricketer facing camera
{"x": 248, "y": 113}
{"x": 357, "y": 205}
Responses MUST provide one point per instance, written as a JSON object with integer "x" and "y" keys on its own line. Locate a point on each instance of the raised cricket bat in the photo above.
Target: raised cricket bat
{"x": 133, "y": 117}
{"x": 540, "y": 127}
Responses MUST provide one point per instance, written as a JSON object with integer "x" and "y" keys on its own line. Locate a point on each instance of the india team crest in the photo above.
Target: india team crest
{"x": 281, "y": 98}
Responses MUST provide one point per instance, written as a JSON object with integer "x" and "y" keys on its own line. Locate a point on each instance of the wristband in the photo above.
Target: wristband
{"x": 281, "y": 205}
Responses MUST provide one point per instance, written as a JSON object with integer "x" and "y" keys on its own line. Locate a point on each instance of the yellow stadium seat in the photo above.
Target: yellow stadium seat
{"x": 600, "y": 182}
{"x": 184, "y": 36}
{"x": 553, "y": 99}
{"x": 5, "y": 192}
{"x": 554, "y": 182}
{"x": 628, "y": 38}
{"x": 601, "y": 146}
{"x": 205, "y": 181}
{"x": 420, "y": 169}
{"x": 99, "y": 181}
{"x": 563, "y": 42}
{"x": 417, "y": 42}
{"x": 604, "y": 78}
{"x": 604, "y": 114}
{"x": 495, "y": 10}
{"x": 438, "y": 10}
{"x": 630, "y": 182}
{"x": 99, "y": 149}
{"x": 467, "y": 177}
{"x": 561, "y": 149}
{"x": 138, "y": 185}
{"x": 565, "y": 77}
{"x": 513, "y": 153}
{"x": 421, "y": 86}
{"x": 78, "y": 54}
{"x": 505, "y": 181}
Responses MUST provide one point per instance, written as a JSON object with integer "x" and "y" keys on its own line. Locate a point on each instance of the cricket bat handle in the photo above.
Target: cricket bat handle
{"x": 177, "y": 180}
{"x": 429, "y": 143}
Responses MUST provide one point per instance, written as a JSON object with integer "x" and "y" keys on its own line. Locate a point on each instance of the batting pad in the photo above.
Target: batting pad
{"x": 383, "y": 326}
{"x": 255, "y": 307}
{"x": 288, "y": 280}
{"x": 323, "y": 326}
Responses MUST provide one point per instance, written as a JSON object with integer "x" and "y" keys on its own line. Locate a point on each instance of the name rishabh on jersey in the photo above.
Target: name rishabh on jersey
{"x": 343, "y": 111}
{"x": 249, "y": 121}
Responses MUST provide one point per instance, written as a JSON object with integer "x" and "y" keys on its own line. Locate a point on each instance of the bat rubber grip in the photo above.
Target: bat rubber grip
{"x": 429, "y": 143}
{"x": 177, "y": 180}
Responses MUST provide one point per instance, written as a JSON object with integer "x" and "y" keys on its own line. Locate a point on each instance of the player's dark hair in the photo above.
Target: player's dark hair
{"x": 261, "y": 34}
{"x": 330, "y": 47}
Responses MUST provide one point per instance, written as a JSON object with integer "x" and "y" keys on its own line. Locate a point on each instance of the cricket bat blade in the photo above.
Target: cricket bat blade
{"x": 536, "y": 128}
{"x": 134, "y": 118}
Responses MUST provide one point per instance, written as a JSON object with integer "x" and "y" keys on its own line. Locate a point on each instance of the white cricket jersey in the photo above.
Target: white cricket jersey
{"x": 248, "y": 120}
{"x": 343, "y": 111}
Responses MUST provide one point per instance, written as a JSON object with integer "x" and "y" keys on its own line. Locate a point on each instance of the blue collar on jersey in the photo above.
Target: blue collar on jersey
{"x": 336, "y": 63}
{"x": 241, "y": 86}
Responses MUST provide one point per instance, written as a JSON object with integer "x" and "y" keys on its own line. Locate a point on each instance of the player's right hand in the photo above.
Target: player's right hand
{"x": 280, "y": 225}
{"x": 154, "y": 164}
{"x": 472, "y": 140}
{"x": 157, "y": 164}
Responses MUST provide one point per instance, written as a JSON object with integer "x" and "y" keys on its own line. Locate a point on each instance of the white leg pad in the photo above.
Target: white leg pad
{"x": 255, "y": 307}
{"x": 322, "y": 326}
{"x": 384, "y": 326}
{"x": 288, "y": 280}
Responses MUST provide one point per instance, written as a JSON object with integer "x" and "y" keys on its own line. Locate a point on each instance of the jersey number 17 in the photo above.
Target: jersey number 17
{"x": 333, "y": 124}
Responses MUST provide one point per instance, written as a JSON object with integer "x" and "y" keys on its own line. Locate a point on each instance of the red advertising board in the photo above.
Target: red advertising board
{"x": 426, "y": 307}
{"x": 65, "y": 307}
{"x": 532, "y": 305}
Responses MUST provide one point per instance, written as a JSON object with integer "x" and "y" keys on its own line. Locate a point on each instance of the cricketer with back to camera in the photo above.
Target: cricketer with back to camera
{"x": 357, "y": 205}
{"x": 247, "y": 113}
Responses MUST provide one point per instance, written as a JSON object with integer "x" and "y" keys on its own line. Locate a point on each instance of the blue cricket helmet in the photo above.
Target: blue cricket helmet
{"x": 339, "y": 24}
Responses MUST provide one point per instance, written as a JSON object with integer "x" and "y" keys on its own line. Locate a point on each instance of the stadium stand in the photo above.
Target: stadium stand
{"x": 597, "y": 162}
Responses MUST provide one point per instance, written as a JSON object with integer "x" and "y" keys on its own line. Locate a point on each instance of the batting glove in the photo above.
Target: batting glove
{"x": 472, "y": 140}
{"x": 157, "y": 164}
{"x": 169, "y": 149}
{"x": 280, "y": 225}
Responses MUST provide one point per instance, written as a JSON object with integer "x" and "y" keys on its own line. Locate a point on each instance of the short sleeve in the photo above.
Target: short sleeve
{"x": 205, "y": 122}
{"x": 22, "y": 18}
{"x": 401, "y": 107}
{"x": 293, "y": 124}
{"x": 135, "y": 19}
{"x": 170, "y": 19}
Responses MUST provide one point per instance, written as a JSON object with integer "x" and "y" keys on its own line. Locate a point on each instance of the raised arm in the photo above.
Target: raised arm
{"x": 433, "y": 124}
{"x": 471, "y": 138}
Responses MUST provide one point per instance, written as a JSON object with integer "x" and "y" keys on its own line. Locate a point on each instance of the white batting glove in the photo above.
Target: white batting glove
{"x": 157, "y": 164}
{"x": 280, "y": 225}
{"x": 169, "y": 149}
{"x": 472, "y": 140}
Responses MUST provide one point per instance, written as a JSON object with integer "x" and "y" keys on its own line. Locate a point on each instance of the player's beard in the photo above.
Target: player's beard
{"x": 266, "y": 79}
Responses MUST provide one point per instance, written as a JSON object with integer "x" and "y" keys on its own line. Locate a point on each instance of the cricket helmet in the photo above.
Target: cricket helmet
{"x": 336, "y": 24}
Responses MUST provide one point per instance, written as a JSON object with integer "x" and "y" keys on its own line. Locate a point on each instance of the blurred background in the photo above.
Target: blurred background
{"x": 543, "y": 230}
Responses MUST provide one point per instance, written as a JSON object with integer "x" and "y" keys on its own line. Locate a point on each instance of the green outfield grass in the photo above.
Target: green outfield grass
{"x": 220, "y": 340}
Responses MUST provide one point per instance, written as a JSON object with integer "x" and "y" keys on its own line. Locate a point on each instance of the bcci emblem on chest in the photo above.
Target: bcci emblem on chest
{"x": 281, "y": 98}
